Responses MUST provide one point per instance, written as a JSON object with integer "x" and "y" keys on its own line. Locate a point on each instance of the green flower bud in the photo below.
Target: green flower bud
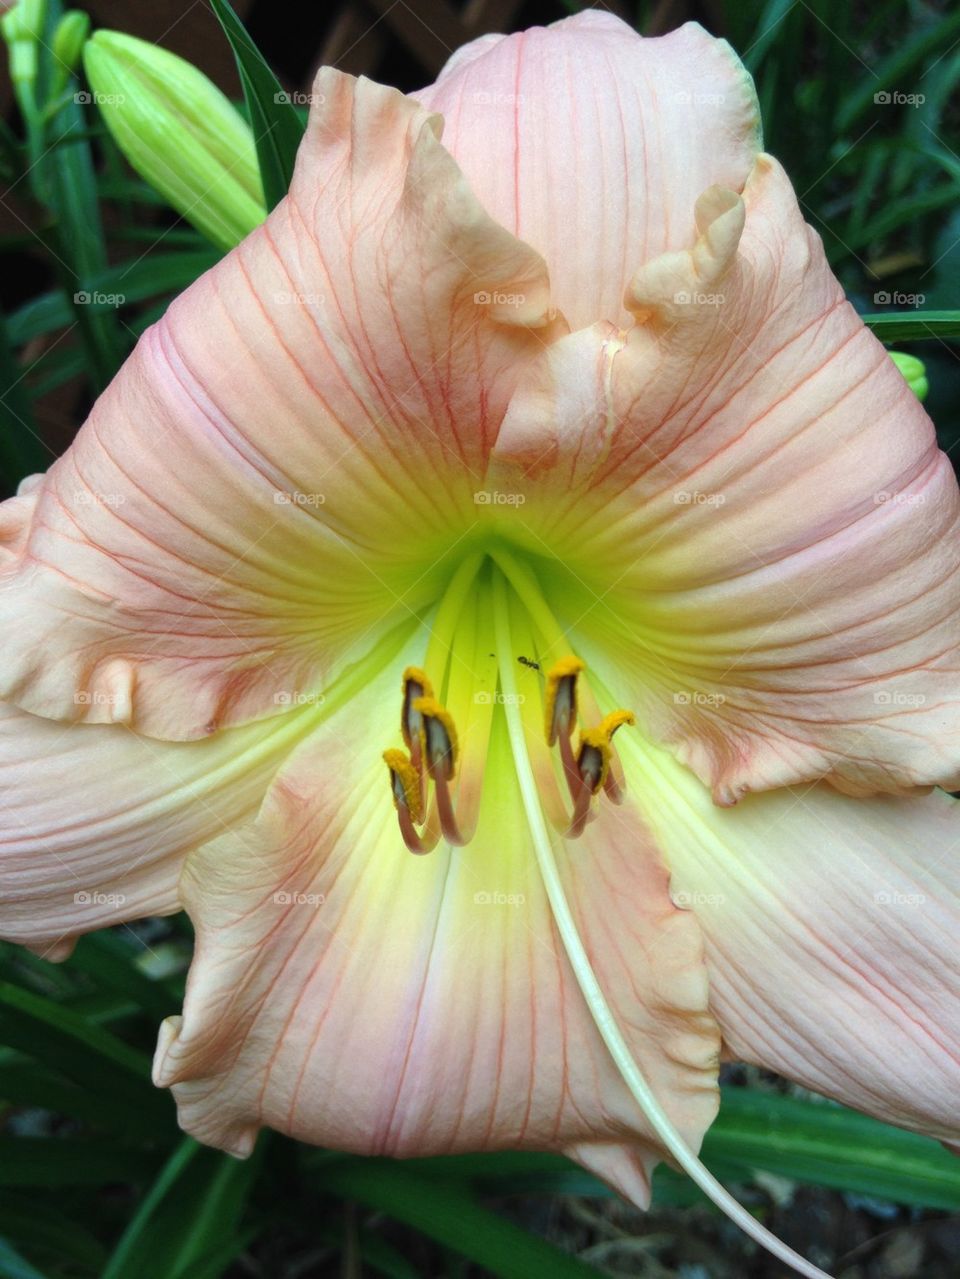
{"x": 69, "y": 37}
{"x": 914, "y": 372}
{"x": 180, "y": 133}
{"x": 24, "y": 21}
{"x": 22, "y": 28}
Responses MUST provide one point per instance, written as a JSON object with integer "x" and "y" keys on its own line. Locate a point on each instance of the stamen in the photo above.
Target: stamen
{"x": 593, "y": 766}
{"x": 407, "y": 799}
{"x": 415, "y": 684}
{"x": 448, "y": 821}
{"x": 596, "y": 750}
{"x": 440, "y": 738}
{"x": 570, "y": 770}
{"x": 612, "y": 787}
{"x": 560, "y": 710}
{"x": 581, "y": 811}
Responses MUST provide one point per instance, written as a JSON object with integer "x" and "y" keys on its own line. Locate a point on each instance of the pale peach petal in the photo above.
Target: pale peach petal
{"x": 273, "y": 475}
{"x": 352, "y": 995}
{"x": 751, "y": 514}
{"x": 592, "y": 143}
{"x": 831, "y": 926}
{"x": 96, "y": 821}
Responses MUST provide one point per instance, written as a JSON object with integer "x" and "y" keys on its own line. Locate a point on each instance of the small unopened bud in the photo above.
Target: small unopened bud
{"x": 22, "y": 28}
{"x": 914, "y": 372}
{"x": 69, "y": 37}
{"x": 24, "y": 21}
{"x": 180, "y": 133}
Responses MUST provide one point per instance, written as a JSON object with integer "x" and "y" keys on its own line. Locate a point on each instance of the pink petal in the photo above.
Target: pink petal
{"x": 273, "y": 475}
{"x": 592, "y": 143}
{"x": 831, "y": 926}
{"x": 756, "y": 519}
{"x": 97, "y": 821}
{"x": 352, "y": 995}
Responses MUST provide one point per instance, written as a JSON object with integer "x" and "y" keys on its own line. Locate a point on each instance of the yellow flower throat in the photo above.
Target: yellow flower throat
{"x": 436, "y": 780}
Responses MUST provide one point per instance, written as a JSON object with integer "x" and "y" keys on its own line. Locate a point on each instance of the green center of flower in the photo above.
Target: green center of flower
{"x": 448, "y": 704}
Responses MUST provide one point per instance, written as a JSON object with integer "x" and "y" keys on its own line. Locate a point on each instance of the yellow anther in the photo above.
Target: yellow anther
{"x": 413, "y": 674}
{"x": 415, "y": 684}
{"x": 404, "y": 783}
{"x": 595, "y": 749}
{"x": 439, "y": 736}
{"x": 560, "y": 710}
{"x": 616, "y": 719}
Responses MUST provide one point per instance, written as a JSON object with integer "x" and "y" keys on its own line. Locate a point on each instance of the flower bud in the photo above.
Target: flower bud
{"x": 914, "y": 372}
{"x": 180, "y": 133}
{"x": 69, "y": 37}
{"x": 24, "y": 21}
{"x": 22, "y": 28}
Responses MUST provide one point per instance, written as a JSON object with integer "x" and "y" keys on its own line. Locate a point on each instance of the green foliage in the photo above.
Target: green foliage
{"x": 277, "y": 127}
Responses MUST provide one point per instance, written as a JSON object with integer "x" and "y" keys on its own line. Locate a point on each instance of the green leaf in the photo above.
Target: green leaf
{"x": 189, "y": 1222}
{"x": 67, "y": 185}
{"x": 58, "y": 1025}
{"x": 53, "y": 1162}
{"x": 135, "y": 1231}
{"x": 109, "y": 958}
{"x": 47, "y": 1232}
{"x": 894, "y": 71}
{"x": 768, "y": 31}
{"x": 144, "y": 277}
{"x": 54, "y": 368}
{"x": 901, "y": 213}
{"x": 277, "y": 128}
{"x": 913, "y": 326}
{"x": 86, "y": 1054}
{"x": 13, "y": 1266}
{"x": 27, "y": 1083}
{"x": 384, "y": 1258}
{"x": 447, "y": 1213}
{"x": 828, "y": 1145}
{"x": 43, "y": 314}
{"x": 21, "y": 449}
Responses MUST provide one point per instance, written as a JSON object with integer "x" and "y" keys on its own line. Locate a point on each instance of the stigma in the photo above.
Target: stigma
{"x": 424, "y": 778}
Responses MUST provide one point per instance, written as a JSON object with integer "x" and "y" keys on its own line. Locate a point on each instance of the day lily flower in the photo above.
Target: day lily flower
{"x": 531, "y": 446}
